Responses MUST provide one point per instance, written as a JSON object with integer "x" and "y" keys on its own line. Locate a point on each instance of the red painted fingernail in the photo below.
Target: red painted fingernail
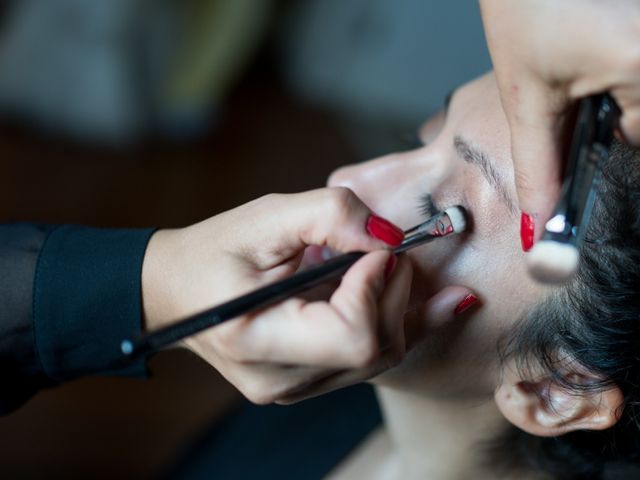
{"x": 384, "y": 230}
{"x": 527, "y": 228}
{"x": 390, "y": 267}
{"x": 466, "y": 303}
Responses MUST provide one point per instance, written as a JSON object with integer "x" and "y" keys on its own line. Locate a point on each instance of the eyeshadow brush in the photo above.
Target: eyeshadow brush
{"x": 554, "y": 259}
{"x": 451, "y": 221}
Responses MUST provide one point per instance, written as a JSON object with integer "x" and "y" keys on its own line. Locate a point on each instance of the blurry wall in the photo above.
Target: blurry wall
{"x": 385, "y": 66}
{"x": 113, "y": 70}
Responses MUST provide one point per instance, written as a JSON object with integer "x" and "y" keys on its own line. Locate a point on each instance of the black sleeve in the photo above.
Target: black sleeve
{"x": 68, "y": 296}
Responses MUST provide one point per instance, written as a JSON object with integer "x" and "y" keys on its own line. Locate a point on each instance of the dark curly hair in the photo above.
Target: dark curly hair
{"x": 595, "y": 320}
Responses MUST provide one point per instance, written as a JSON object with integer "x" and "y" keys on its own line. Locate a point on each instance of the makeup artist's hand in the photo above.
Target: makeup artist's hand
{"x": 547, "y": 54}
{"x": 284, "y": 350}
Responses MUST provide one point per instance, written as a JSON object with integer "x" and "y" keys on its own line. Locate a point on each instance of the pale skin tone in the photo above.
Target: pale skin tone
{"x": 451, "y": 393}
{"x": 298, "y": 348}
{"x": 251, "y": 355}
{"x": 547, "y": 54}
{"x": 448, "y": 393}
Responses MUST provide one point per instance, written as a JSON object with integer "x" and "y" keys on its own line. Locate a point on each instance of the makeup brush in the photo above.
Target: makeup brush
{"x": 554, "y": 259}
{"x": 451, "y": 221}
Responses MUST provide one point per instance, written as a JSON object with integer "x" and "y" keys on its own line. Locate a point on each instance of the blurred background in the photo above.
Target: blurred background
{"x": 122, "y": 113}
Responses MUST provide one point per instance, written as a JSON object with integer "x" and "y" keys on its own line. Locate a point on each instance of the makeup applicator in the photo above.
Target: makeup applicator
{"x": 554, "y": 259}
{"x": 452, "y": 221}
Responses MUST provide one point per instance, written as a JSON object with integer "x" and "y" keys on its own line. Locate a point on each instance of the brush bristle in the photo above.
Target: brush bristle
{"x": 552, "y": 262}
{"x": 458, "y": 218}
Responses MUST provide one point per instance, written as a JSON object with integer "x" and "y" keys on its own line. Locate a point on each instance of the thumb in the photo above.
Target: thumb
{"x": 282, "y": 226}
{"x": 536, "y": 121}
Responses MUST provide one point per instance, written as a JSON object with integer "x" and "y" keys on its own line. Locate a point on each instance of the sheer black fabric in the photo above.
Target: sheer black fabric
{"x": 68, "y": 296}
{"x": 20, "y": 368}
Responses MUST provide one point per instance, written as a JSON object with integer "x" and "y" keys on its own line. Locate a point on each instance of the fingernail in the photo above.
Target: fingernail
{"x": 384, "y": 230}
{"x": 527, "y": 228}
{"x": 466, "y": 303}
{"x": 390, "y": 267}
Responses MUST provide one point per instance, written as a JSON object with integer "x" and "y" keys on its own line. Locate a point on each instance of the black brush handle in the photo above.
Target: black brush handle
{"x": 260, "y": 298}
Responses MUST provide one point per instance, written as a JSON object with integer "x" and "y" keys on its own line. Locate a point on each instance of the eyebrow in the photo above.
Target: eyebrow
{"x": 473, "y": 155}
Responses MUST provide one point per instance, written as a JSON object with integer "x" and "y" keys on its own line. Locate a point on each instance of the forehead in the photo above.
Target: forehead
{"x": 476, "y": 113}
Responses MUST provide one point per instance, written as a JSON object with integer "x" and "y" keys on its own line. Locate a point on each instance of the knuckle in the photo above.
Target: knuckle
{"x": 364, "y": 353}
{"x": 258, "y": 393}
{"x": 337, "y": 177}
{"x": 230, "y": 346}
{"x": 366, "y": 297}
{"x": 270, "y": 199}
{"x": 340, "y": 201}
{"x": 524, "y": 182}
{"x": 287, "y": 401}
{"x": 630, "y": 51}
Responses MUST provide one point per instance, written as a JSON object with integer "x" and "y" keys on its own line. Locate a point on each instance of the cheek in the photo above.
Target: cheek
{"x": 486, "y": 259}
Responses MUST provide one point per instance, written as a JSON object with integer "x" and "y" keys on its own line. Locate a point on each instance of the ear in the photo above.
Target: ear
{"x": 544, "y": 408}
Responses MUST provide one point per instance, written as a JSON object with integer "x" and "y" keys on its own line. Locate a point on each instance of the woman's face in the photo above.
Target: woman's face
{"x": 465, "y": 161}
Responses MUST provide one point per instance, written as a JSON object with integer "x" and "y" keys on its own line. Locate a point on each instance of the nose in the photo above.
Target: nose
{"x": 379, "y": 183}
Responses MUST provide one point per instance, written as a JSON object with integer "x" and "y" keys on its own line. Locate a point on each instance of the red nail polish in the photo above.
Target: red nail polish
{"x": 384, "y": 230}
{"x": 390, "y": 267}
{"x": 466, "y": 303}
{"x": 527, "y": 228}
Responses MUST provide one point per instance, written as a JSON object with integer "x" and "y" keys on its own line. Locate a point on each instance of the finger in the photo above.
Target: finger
{"x": 283, "y": 225}
{"x": 341, "y": 379}
{"x": 446, "y": 306}
{"x": 337, "y": 334}
{"x": 630, "y": 126}
{"x": 627, "y": 97}
{"x": 263, "y": 384}
{"x": 536, "y": 121}
{"x": 393, "y": 305}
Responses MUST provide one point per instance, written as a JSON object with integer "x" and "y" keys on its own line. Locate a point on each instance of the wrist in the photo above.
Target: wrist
{"x": 157, "y": 309}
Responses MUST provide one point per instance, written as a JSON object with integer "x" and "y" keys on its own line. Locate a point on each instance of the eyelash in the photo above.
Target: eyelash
{"x": 427, "y": 206}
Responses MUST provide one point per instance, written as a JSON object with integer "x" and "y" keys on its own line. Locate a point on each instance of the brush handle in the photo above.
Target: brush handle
{"x": 260, "y": 298}
{"x": 593, "y": 134}
{"x": 438, "y": 226}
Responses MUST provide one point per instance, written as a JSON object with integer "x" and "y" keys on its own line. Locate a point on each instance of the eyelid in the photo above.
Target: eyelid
{"x": 427, "y": 206}
{"x": 447, "y": 100}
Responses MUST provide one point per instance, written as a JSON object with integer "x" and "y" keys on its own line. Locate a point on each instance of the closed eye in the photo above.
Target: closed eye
{"x": 427, "y": 206}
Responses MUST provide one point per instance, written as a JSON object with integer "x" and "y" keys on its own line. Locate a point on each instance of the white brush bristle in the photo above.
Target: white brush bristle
{"x": 458, "y": 218}
{"x": 552, "y": 262}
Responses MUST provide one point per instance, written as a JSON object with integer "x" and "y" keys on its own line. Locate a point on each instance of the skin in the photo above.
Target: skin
{"x": 298, "y": 348}
{"x": 274, "y": 352}
{"x": 443, "y": 390}
{"x": 451, "y": 393}
{"x": 392, "y": 186}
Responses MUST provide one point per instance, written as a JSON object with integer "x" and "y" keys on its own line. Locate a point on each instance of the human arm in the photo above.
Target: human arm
{"x": 275, "y": 352}
{"x": 94, "y": 287}
{"x": 298, "y": 348}
{"x": 67, "y": 293}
